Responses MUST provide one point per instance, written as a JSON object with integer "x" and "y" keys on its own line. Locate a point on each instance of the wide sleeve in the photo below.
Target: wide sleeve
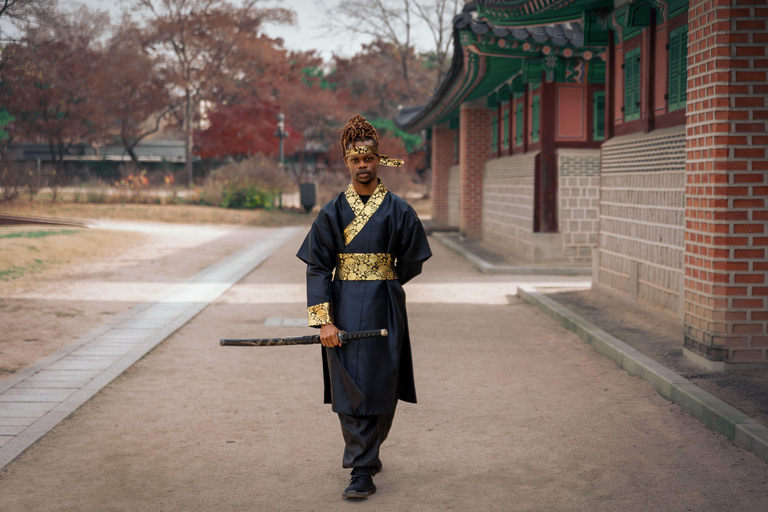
{"x": 414, "y": 248}
{"x": 318, "y": 252}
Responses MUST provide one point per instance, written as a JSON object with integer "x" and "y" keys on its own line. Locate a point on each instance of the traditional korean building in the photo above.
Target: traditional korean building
{"x": 626, "y": 134}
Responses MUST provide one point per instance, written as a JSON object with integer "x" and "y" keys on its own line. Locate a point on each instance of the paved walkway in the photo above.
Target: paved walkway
{"x": 514, "y": 413}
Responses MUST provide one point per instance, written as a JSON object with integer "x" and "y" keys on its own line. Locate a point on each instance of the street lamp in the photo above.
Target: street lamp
{"x": 281, "y": 134}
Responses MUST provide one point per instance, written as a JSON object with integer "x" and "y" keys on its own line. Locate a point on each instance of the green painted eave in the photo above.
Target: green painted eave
{"x": 495, "y": 71}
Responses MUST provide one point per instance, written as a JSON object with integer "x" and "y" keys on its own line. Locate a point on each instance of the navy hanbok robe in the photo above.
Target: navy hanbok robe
{"x": 374, "y": 249}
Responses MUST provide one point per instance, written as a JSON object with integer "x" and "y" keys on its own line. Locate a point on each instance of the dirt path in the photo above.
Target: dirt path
{"x": 114, "y": 266}
{"x": 514, "y": 414}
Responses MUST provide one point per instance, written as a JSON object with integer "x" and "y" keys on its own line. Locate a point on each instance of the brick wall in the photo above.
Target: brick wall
{"x": 508, "y": 204}
{"x": 579, "y": 197}
{"x": 642, "y": 206}
{"x": 726, "y": 293}
{"x": 474, "y": 151}
{"x": 442, "y": 161}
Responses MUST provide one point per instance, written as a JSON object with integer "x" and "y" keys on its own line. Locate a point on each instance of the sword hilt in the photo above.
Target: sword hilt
{"x": 345, "y": 336}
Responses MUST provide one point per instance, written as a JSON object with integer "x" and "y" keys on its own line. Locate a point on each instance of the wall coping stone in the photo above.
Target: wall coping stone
{"x": 639, "y": 137}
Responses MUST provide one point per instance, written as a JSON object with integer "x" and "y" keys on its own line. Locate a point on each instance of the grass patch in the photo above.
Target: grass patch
{"x": 28, "y": 254}
{"x": 185, "y": 214}
{"x": 38, "y": 234}
{"x": 19, "y": 271}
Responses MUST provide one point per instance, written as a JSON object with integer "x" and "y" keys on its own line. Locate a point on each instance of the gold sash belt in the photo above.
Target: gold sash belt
{"x": 365, "y": 267}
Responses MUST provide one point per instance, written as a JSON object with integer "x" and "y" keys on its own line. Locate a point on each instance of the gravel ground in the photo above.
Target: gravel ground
{"x": 515, "y": 413}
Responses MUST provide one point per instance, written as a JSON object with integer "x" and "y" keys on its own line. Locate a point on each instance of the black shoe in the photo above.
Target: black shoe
{"x": 360, "y": 486}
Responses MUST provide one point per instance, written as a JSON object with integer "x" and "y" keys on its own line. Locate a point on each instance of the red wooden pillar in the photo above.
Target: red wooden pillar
{"x": 610, "y": 91}
{"x": 726, "y": 238}
{"x": 647, "y": 101}
{"x": 474, "y": 151}
{"x": 546, "y": 193}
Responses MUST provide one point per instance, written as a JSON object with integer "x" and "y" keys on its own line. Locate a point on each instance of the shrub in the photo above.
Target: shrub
{"x": 252, "y": 183}
{"x": 247, "y": 197}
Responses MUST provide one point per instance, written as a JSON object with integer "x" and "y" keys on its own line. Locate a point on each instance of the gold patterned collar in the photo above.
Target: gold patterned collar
{"x": 363, "y": 212}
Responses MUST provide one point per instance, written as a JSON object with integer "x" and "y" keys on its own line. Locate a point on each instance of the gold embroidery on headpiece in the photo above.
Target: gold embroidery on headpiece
{"x": 390, "y": 162}
{"x": 361, "y": 150}
{"x": 383, "y": 159}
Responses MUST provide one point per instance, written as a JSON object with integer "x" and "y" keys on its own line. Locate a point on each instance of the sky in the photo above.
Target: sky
{"x": 311, "y": 31}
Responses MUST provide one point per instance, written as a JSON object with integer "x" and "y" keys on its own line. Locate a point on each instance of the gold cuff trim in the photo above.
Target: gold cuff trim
{"x": 320, "y": 314}
{"x": 365, "y": 267}
{"x": 362, "y": 213}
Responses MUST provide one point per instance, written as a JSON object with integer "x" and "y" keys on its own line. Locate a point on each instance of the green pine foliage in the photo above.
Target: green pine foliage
{"x": 385, "y": 125}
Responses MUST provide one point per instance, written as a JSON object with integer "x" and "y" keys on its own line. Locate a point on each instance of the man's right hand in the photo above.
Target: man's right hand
{"x": 329, "y": 336}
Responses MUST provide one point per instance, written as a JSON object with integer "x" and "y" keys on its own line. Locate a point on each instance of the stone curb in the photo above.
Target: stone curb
{"x": 740, "y": 429}
{"x": 489, "y": 268}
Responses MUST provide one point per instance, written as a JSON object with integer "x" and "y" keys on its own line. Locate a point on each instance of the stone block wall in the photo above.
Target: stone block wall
{"x": 579, "y": 198}
{"x": 642, "y": 217}
{"x": 453, "y": 207}
{"x": 508, "y": 204}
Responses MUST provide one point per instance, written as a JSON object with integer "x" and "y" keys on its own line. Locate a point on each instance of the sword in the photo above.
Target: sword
{"x": 301, "y": 340}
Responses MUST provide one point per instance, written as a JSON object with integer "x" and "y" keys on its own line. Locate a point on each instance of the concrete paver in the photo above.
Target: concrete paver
{"x": 515, "y": 413}
{"x": 36, "y": 395}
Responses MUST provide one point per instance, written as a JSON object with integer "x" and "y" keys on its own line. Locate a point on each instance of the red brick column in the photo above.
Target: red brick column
{"x": 442, "y": 161}
{"x": 726, "y": 293}
{"x": 474, "y": 150}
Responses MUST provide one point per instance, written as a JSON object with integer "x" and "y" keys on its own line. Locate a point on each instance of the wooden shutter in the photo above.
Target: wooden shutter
{"x": 598, "y": 116}
{"x": 678, "y": 68}
{"x": 632, "y": 85}
{"x": 495, "y": 134}
{"x": 519, "y": 125}
{"x": 505, "y": 139}
{"x": 535, "y": 118}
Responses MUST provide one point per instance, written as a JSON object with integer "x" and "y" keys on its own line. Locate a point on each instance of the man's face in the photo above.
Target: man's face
{"x": 363, "y": 168}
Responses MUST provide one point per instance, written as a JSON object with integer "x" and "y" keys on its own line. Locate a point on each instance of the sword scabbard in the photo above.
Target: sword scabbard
{"x": 344, "y": 337}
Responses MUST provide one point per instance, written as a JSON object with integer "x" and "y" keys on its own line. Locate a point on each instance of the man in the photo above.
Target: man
{"x": 376, "y": 243}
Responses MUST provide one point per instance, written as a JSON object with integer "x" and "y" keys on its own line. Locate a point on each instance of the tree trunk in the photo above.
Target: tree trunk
{"x": 133, "y": 156}
{"x": 404, "y": 65}
{"x": 188, "y": 119}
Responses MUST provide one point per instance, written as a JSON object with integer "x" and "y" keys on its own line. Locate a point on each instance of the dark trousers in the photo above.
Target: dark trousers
{"x": 363, "y": 436}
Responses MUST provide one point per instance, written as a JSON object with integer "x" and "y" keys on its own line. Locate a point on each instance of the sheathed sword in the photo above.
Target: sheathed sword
{"x": 301, "y": 340}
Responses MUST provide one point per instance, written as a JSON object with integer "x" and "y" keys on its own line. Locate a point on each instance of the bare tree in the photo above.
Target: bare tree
{"x": 21, "y": 13}
{"x": 195, "y": 38}
{"x": 47, "y": 78}
{"x": 438, "y": 16}
{"x": 388, "y": 20}
{"x": 393, "y": 21}
{"x": 131, "y": 87}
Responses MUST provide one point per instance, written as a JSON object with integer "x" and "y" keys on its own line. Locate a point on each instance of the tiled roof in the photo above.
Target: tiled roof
{"x": 495, "y": 39}
{"x": 558, "y": 34}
